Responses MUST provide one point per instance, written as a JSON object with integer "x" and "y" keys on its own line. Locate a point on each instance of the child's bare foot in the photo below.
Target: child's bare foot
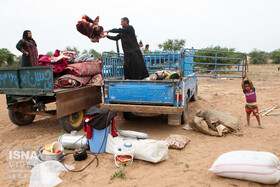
{"x": 247, "y": 125}
{"x": 261, "y": 127}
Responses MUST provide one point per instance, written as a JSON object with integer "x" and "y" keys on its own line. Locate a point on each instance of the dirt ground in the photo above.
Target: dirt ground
{"x": 198, "y": 155}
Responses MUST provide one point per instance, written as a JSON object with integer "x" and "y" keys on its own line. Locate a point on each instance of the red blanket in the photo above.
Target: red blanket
{"x": 84, "y": 69}
{"x": 58, "y": 61}
{"x": 90, "y": 28}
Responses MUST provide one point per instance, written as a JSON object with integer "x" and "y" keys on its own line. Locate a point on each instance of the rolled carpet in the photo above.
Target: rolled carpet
{"x": 71, "y": 81}
{"x": 84, "y": 69}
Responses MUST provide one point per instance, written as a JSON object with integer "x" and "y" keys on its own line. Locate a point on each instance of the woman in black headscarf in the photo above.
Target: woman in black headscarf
{"x": 28, "y": 47}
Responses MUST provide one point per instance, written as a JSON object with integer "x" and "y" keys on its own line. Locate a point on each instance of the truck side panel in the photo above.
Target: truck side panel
{"x": 27, "y": 81}
{"x": 74, "y": 100}
{"x": 140, "y": 92}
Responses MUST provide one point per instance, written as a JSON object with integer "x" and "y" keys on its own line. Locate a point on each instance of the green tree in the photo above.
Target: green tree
{"x": 275, "y": 56}
{"x": 75, "y": 49}
{"x": 204, "y": 57}
{"x": 50, "y": 53}
{"x": 172, "y": 45}
{"x": 7, "y": 58}
{"x": 111, "y": 54}
{"x": 258, "y": 57}
{"x": 96, "y": 54}
{"x": 84, "y": 51}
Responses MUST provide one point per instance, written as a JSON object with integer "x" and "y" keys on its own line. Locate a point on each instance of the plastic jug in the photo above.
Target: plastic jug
{"x": 123, "y": 155}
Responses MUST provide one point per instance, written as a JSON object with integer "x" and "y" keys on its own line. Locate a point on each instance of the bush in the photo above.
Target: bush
{"x": 7, "y": 58}
{"x": 275, "y": 56}
{"x": 258, "y": 57}
{"x": 172, "y": 45}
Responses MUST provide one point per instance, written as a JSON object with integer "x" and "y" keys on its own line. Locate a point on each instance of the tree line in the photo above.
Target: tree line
{"x": 8, "y": 59}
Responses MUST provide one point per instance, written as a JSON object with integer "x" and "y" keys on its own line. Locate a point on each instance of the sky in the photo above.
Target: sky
{"x": 241, "y": 24}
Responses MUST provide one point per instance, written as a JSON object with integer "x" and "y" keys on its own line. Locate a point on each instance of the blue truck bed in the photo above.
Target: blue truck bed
{"x": 169, "y": 96}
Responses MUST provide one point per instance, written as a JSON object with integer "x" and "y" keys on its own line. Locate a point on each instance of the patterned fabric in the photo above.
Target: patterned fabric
{"x": 31, "y": 48}
{"x": 84, "y": 58}
{"x": 164, "y": 74}
{"x": 90, "y": 28}
{"x": 96, "y": 80}
{"x": 58, "y": 61}
{"x": 58, "y": 66}
{"x": 84, "y": 69}
{"x": 251, "y": 98}
{"x": 70, "y": 81}
{"x": 69, "y": 55}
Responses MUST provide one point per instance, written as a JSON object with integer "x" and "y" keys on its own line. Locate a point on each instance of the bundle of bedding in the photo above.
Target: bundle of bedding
{"x": 71, "y": 71}
{"x": 164, "y": 74}
{"x": 58, "y": 61}
{"x": 79, "y": 74}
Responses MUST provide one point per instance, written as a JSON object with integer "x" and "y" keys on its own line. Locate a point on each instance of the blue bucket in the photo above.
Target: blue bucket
{"x": 96, "y": 140}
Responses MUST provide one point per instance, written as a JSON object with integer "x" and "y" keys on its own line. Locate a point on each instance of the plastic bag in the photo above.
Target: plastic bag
{"x": 46, "y": 174}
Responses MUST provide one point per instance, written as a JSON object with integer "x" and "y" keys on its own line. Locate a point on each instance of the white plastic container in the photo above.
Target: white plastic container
{"x": 123, "y": 155}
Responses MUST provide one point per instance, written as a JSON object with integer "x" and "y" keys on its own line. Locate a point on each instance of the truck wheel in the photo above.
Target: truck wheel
{"x": 194, "y": 97}
{"x": 186, "y": 112}
{"x": 20, "y": 118}
{"x": 72, "y": 122}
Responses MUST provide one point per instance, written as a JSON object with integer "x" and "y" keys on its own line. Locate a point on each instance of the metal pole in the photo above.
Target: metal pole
{"x": 216, "y": 63}
{"x": 118, "y": 50}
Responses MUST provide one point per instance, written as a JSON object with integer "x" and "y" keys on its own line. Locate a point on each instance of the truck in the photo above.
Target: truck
{"x": 29, "y": 89}
{"x": 169, "y": 97}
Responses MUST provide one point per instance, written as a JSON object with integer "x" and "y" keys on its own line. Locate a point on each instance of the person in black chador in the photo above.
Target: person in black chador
{"x": 134, "y": 66}
{"x": 28, "y": 47}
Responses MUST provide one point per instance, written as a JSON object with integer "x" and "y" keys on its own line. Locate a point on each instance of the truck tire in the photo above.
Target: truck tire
{"x": 128, "y": 116}
{"x": 19, "y": 118}
{"x": 186, "y": 112}
{"x": 194, "y": 96}
{"x": 72, "y": 122}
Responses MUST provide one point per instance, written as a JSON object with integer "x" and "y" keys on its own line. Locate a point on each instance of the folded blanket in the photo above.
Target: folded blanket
{"x": 84, "y": 69}
{"x": 58, "y": 61}
{"x": 69, "y": 55}
{"x": 84, "y": 58}
{"x": 58, "y": 66}
{"x": 71, "y": 81}
{"x": 164, "y": 74}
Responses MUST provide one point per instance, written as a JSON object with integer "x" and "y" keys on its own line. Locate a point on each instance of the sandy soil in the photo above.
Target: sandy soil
{"x": 199, "y": 154}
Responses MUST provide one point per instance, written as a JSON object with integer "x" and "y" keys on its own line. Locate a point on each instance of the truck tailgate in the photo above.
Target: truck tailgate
{"x": 139, "y": 92}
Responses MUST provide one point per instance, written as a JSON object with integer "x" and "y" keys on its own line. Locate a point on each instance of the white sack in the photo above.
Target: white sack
{"x": 144, "y": 149}
{"x": 262, "y": 167}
